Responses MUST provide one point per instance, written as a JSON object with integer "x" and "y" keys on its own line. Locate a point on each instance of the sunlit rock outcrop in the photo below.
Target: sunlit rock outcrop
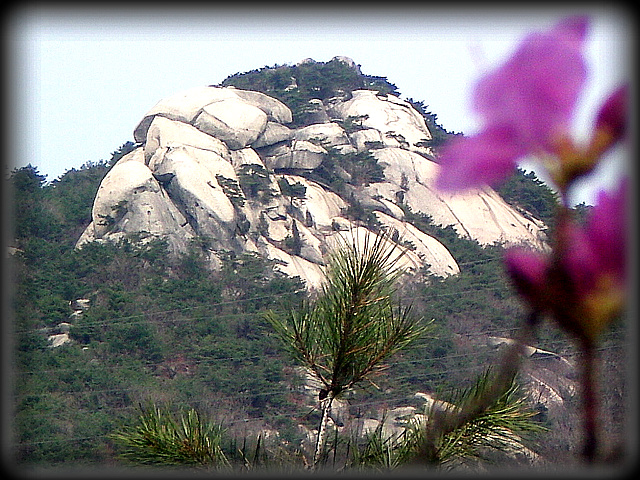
{"x": 225, "y": 166}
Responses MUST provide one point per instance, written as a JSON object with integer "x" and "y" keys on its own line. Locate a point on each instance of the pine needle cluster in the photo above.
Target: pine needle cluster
{"x": 498, "y": 432}
{"x": 355, "y": 323}
{"x": 161, "y": 439}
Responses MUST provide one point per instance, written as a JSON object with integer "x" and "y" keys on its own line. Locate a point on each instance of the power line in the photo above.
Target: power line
{"x": 142, "y": 316}
{"x": 213, "y": 360}
{"x": 145, "y": 317}
{"x": 275, "y": 392}
{"x": 352, "y": 401}
{"x": 199, "y": 360}
{"x": 239, "y": 395}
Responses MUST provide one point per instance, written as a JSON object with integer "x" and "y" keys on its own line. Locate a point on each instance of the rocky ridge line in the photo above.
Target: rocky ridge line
{"x": 221, "y": 165}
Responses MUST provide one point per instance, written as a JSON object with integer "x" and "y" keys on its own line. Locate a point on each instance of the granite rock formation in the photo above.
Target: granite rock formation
{"x": 224, "y": 166}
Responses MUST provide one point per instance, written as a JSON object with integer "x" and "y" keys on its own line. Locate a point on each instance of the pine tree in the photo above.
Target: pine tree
{"x": 354, "y": 324}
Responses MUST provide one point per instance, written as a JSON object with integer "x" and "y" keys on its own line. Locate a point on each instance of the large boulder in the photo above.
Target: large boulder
{"x": 195, "y": 186}
{"x": 423, "y": 248}
{"x": 320, "y": 206}
{"x": 184, "y": 107}
{"x": 294, "y": 266}
{"x": 276, "y": 111}
{"x": 325, "y": 134}
{"x": 233, "y": 121}
{"x": 163, "y": 133}
{"x": 314, "y": 112}
{"x": 398, "y": 122}
{"x": 366, "y": 139}
{"x": 306, "y": 155}
{"x": 131, "y": 201}
{"x": 246, "y": 156}
{"x": 273, "y": 133}
{"x": 226, "y": 113}
{"x": 481, "y": 215}
{"x": 298, "y": 155}
{"x": 348, "y": 61}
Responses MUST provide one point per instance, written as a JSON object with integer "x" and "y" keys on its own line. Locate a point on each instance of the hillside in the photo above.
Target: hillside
{"x": 145, "y": 277}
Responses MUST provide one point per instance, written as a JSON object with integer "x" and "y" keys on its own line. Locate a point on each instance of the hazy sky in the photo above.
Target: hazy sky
{"x": 81, "y": 79}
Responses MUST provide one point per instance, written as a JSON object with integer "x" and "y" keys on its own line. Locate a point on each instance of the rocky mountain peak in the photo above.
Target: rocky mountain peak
{"x": 232, "y": 168}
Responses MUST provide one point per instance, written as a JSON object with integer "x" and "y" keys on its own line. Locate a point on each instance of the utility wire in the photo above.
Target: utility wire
{"x": 353, "y": 402}
{"x": 199, "y": 360}
{"x": 563, "y": 342}
{"x": 148, "y": 316}
{"x": 279, "y": 391}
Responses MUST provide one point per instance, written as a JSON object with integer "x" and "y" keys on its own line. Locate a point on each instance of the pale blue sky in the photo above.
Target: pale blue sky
{"x": 81, "y": 79}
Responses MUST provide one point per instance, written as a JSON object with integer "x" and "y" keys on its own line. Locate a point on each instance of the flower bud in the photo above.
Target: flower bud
{"x": 611, "y": 123}
{"x": 528, "y": 271}
{"x": 612, "y": 116}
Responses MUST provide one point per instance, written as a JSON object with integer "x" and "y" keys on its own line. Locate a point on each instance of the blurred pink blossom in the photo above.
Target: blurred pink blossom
{"x": 582, "y": 282}
{"x": 528, "y": 269}
{"x": 526, "y": 106}
{"x": 607, "y": 231}
{"x": 612, "y": 116}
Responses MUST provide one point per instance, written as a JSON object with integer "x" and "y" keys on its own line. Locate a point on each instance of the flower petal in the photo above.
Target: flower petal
{"x": 529, "y": 265}
{"x": 486, "y": 158}
{"x": 528, "y": 271}
{"x": 536, "y": 91}
{"x": 572, "y": 29}
{"x": 607, "y": 232}
{"x": 580, "y": 261}
{"x": 613, "y": 113}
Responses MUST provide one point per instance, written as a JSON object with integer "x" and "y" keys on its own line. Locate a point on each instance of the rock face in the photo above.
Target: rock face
{"x": 222, "y": 165}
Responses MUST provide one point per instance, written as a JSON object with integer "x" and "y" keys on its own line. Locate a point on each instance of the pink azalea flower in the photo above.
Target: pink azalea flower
{"x": 606, "y": 229}
{"x": 525, "y": 106}
{"x": 612, "y": 114}
{"x": 599, "y": 249}
{"x": 473, "y": 161}
{"x": 612, "y": 118}
{"x": 581, "y": 260}
{"x": 528, "y": 270}
{"x": 584, "y": 289}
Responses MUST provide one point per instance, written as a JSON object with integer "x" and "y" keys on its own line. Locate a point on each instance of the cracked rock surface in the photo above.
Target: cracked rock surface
{"x": 212, "y": 162}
